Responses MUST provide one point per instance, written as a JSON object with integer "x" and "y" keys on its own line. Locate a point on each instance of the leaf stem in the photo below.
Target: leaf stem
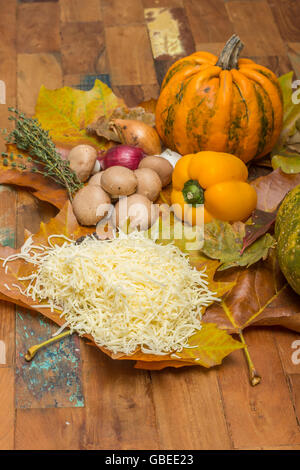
{"x": 254, "y": 377}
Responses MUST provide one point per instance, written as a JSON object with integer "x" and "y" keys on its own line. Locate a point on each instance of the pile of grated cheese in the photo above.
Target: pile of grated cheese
{"x": 127, "y": 293}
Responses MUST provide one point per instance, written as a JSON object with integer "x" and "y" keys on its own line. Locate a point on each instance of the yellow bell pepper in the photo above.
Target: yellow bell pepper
{"x": 215, "y": 179}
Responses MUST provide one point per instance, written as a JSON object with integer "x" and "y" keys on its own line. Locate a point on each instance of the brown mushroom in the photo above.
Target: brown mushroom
{"x": 149, "y": 183}
{"x": 82, "y": 160}
{"x": 91, "y": 204}
{"x": 138, "y": 209}
{"x": 95, "y": 180}
{"x": 118, "y": 181}
{"x": 163, "y": 168}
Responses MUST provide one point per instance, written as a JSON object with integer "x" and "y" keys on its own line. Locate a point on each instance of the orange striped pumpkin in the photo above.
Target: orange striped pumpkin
{"x": 224, "y": 104}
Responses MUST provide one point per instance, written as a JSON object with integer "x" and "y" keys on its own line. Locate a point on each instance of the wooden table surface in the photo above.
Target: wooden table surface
{"x": 72, "y": 396}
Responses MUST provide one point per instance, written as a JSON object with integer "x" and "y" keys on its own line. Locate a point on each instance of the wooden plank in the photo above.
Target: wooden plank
{"x": 189, "y": 409}
{"x": 7, "y": 218}
{"x": 294, "y": 382}
{"x": 49, "y": 429}
{"x": 82, "y": 45}
{"x": 7, "y": 334}
{"x": 30, "y": 213}
{"x": 129, "y": 55}
{"x": 294, "y": 56}
{"x": 38, "y": 27}
{"x": 209, "y": 21}
{"x": 47, "y": 71}
{"x": 264, "y": 415}
{"x": 116, "y": 13}
{"x": 254, "y": 23}
{"x": 77, "y": 10}
{"x": 7, "y": 408}
{"x": 53, "y": 378}
{"x": 8, "y": 63}
{"x": 119, "y": 408}
{"x": 287, "y": 16}
{"x": 288, "y": 344}
{"x": 212, "y": 47}
{"x": 136, "y": 94}
{"x": 7, "y": 310}
{"x": 162, "y": 3}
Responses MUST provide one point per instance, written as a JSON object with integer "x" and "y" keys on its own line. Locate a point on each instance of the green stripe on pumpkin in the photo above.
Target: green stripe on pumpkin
{"x": 176, "y": 68}
{"x": 265, "y": 125}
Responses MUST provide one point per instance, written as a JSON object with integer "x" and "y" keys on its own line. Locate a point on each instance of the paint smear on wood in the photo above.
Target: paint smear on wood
{"x": 53, "y": 377}
{"x": 164, "y": 32}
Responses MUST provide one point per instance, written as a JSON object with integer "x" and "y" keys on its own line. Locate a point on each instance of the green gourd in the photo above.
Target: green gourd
{"x": 287, "y": 233}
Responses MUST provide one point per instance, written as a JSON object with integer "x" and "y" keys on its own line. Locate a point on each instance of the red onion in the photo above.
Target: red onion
{"x": 122, "y": 155}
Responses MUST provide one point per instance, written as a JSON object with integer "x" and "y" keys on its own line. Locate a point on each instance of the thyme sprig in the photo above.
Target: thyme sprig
{"x": 29, "y": 136}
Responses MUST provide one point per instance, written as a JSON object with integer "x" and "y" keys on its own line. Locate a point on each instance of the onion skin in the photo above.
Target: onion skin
{"x": 138, "y": 134}
{"x": 122, "y": 155}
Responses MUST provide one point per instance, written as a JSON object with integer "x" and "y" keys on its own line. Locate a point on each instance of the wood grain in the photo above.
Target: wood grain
{"x": 7, "y": 61}
{"x": 254, "y": 23}
{"x": 77, "y": 10}
{"x": 119, "y": 408}
{"x": 47, "y": 71}
{"x": 8, "y": 223}
{"x": 38, "y": 27}
{"x": 189, "y": 409}
{"x": 49, "y": 429}
{"x": 209, "y": 21}
{"x": 82, "y": 44}
{"x": 263, "y": 415}
{"x": 129, "y": 55}
{"x": 287, "y": 16}
{"x": 135, "y": 94}
{"x": 7, "y": 408}
{"x": 115, "y": 13}
{"x": 7, "y": 310}
{"x": 294, "y": 56}
{"x": 53, "y": 378}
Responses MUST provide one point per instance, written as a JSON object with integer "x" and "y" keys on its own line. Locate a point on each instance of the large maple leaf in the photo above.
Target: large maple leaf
{"x": 66, "y": 112}
{"x": 209, "y": 345}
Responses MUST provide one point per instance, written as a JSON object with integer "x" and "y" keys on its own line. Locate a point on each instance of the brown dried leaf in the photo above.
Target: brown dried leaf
{"x": 261, "y": 296}
{"x": 272, "y": 188}
{"x": 102, "y": 127}
{"x": 43, "y": 188}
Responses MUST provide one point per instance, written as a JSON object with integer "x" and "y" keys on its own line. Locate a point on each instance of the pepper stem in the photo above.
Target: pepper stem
{"x": 230, "y": 54}
{"x": 193, "y": 193}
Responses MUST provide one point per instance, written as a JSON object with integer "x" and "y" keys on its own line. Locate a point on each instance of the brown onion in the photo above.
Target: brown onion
{"x": 132, "y": 132}
{"x": 122, "y": 155}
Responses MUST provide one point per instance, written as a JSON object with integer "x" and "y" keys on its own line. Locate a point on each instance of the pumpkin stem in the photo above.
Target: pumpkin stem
{"x": 193, "y": 193}
{"x": 230, "y": 54}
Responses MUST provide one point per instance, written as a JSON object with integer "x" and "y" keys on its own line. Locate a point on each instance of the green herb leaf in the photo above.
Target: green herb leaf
{"x": 224, "y": 242}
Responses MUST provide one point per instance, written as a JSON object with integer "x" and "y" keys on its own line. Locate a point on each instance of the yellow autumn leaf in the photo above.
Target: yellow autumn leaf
{"x": 66, "y": 112}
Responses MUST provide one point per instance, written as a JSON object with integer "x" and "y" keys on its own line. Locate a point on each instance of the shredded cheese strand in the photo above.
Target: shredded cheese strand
{"x": 127, "y": 293}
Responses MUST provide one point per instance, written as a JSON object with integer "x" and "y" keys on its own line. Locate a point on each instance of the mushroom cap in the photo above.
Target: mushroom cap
{"x": 149, "y": 183}
{"x": 90, "y": 204}
{"x": 95, "y": 180}
{"x": 119, "y": 181}
{"x": 138, "y": 209}
{"x": 82, "y": 160}
{"x": 163, "y": 168}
